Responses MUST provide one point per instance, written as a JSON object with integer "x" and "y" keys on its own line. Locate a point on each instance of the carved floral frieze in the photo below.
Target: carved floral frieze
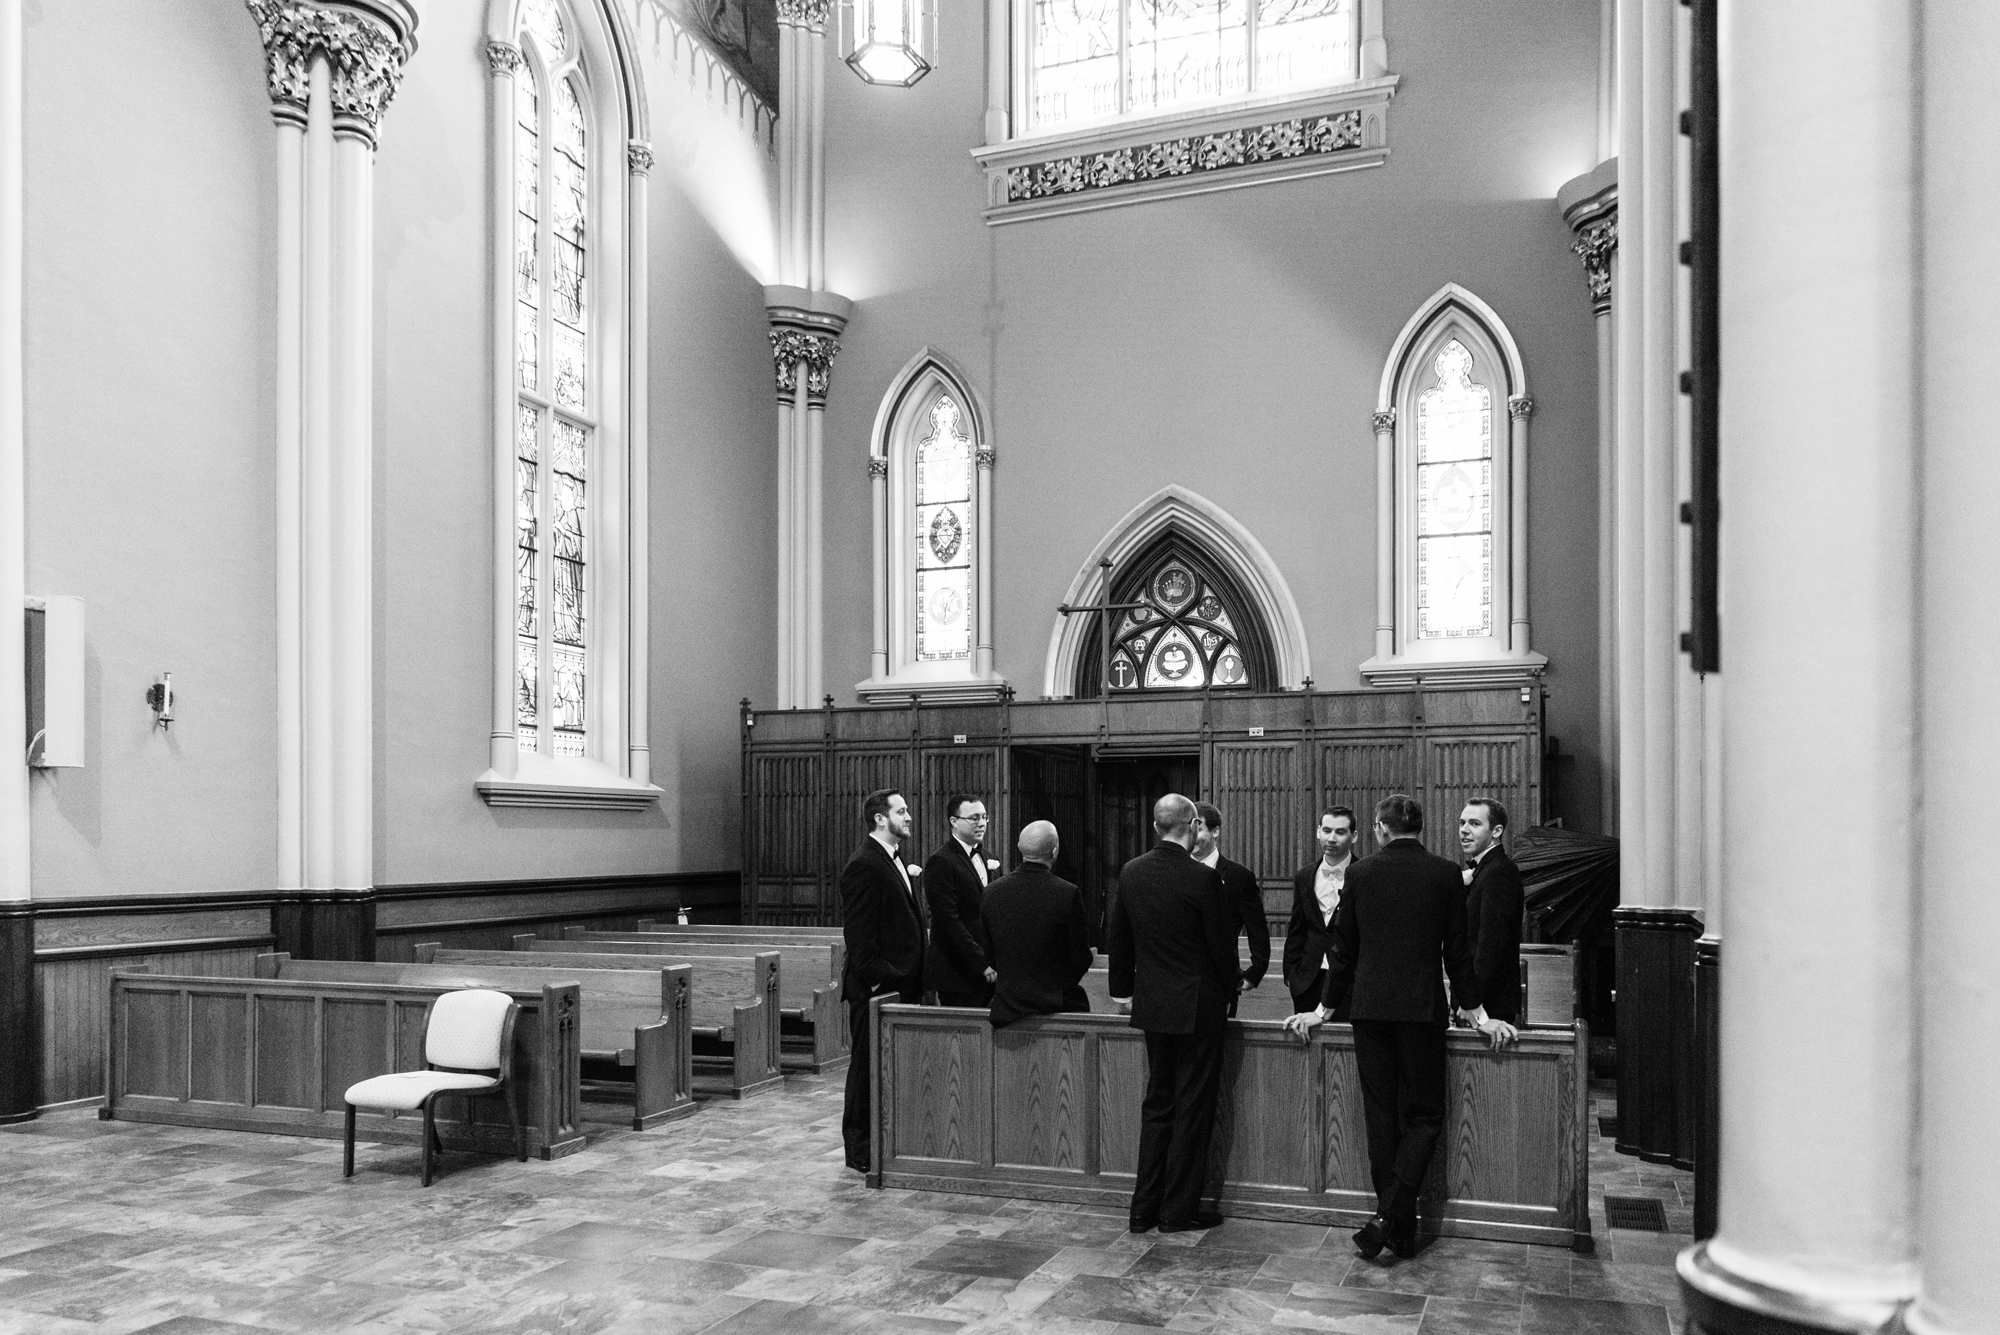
{"x": 805, "y": 13}
{"x": 1168, "y": 158}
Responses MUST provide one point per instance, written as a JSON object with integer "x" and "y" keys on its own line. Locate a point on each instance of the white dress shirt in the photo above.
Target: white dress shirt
{"x": 894, "y": 857}
{"x": 1328, "y": 883}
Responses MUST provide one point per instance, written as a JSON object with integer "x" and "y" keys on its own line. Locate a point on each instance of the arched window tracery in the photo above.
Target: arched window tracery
{"x": 1190, "y": 628}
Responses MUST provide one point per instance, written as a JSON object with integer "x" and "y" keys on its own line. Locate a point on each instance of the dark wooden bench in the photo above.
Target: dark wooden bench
{"x": 810, "y": 1003}
{"x": 635, "y": 1023}
{"x": 1048, "y": 1109}
{"x": 275, "y": 1055}
{"x": 733, "y": 1010}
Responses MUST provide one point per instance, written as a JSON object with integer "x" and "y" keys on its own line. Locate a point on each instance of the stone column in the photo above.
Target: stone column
{"x": 1519, "y": 409}
{"x": 804, "y": 341}
{"x": 332, "y": 69}
{"x": 1816, "y": 1226}
{"x": 1384, "y": 423}
{"x": 878, "y": 504}
{"x": 1589, "y": 205}
{"x": 504, "y": 62}
{"x": 1958, "y": 722}
{"x": 20, "y": 1065}
{"x": 982, "y": 652}
{"x": 639, "y": 750}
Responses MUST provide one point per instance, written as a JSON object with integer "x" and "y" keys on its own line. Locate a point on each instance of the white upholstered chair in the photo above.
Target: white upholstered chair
{"x": 468, "y": 1042}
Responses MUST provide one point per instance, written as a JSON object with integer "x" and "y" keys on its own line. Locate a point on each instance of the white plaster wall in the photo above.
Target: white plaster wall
{"x": 1229, "y": 342}
{"x": 712, "y": 488}
{"x": 150, "y": 181}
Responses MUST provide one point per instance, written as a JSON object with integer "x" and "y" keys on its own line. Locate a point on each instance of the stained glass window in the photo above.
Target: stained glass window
{"x": 944, "y": 487}
{"x": 1090, "y": 60}
{"x": 554, "y": 435}
{"x": 1454, "y": 501}
{"x": 1180, "y": 637}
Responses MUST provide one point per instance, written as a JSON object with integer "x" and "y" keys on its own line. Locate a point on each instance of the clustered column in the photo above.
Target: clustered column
{"x": 332, "y": 70}
{"x": 806, "y": 323}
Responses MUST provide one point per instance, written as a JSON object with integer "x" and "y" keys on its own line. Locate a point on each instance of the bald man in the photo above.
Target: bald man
{"x": 1173, "y": 966}
{"x": 1038, "y": 939}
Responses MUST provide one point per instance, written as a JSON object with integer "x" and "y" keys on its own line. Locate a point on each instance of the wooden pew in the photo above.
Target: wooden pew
{"x": 720, "y": 975}
{"x": 638, "y": 1023}
{"x": 1549, "y": 985}
{"x": 732, "y": 1010}
{"x": 275, "y": 1055}
{"x": 726, "y": 929}
{"x": 1048, "y": 1109}
{"x": 810, "y": 1001}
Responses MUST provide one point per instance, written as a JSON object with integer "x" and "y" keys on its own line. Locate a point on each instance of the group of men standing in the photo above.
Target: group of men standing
{"x": 1396, "y": 945}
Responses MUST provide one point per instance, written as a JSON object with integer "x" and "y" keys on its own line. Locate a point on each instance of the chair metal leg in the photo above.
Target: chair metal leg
{"x": 430, "y": 1136}
{"x": 514, "y": 1120}
{"x": 347, "y": 1155}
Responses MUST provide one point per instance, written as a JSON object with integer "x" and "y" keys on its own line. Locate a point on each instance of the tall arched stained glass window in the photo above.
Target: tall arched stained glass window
{"x": 944, "y": 485}
{"x": 1454, "y": 501}
{"x": 552, "y": 381}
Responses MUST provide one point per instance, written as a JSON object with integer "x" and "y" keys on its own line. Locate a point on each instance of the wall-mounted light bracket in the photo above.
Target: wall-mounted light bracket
{"x": 160, "y": 695}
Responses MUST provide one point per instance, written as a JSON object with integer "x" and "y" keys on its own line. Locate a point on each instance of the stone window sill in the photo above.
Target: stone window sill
{"x": 542, "y": 781}
{"x": 1189, "y": 152}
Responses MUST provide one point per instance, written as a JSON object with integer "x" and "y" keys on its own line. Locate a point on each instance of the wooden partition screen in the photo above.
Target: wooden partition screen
{"x": 1048, "y": 1109}
{"x": 1269, "y": 762}
{"x": 272, "y": 1055}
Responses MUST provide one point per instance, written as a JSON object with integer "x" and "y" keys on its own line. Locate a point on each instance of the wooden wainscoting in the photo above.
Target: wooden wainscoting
{"x": 1048, "y": 1109}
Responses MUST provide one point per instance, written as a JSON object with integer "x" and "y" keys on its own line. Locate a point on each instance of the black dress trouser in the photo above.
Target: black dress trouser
{"x": 854, "y": 1121}
{"x": 1402, "y": 1098}
{"x": 1176, "y": 1125}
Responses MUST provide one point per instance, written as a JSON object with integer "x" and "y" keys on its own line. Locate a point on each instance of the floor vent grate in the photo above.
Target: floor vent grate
{"x": 1608, "y": 1127}
{"x": 1644, "y": 1213}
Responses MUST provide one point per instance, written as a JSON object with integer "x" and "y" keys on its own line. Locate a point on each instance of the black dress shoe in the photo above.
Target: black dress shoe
{"x": 1200, "y": 1221}
{"x": 1403, "y": 1238}
{"x": 1143, "y": 1225}
{"x": 858, "y": 1165}
{"x": 1371, "y": 1237}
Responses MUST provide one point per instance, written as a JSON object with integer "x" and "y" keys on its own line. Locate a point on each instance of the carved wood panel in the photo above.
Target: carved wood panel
{"x": 1256, "y": 789}
{"x": 1459, "y": 770}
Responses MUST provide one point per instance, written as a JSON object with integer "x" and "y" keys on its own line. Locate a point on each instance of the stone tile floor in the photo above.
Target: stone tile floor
{"x": 736, "y": 1221}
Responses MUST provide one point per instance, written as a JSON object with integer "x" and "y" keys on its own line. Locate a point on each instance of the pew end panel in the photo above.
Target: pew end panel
{"x": 270, "y": 964}
{"x": 663, "y": 1057}
{"x": 829, "y": 1030}
{"x": 275, "y": 1055}
{"x": 1048, "y": 1109}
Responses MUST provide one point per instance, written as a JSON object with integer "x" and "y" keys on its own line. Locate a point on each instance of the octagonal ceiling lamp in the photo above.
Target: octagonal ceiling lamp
{"x": 891, "y": 42}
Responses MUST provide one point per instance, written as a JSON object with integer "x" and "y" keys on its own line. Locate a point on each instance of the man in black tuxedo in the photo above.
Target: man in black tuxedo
{"x": 1173, "y": 968}
{"x": 1316, "y": 892}
{"x": 1246, "y": 897}
{"x": 1494, "y": 902}
{"x": 955, "y": 879}
{"x": 884, "y": 932}
{"x": 1038, "y": 938}
{"x": 1403, "y": 911}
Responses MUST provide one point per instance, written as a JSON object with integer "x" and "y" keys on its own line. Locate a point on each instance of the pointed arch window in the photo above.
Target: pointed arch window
{"x": 1451, "y": 429}
{"x": 931, "y": 474}
{"x": 1192, "y": 628}
{"x": 568, "y": 339}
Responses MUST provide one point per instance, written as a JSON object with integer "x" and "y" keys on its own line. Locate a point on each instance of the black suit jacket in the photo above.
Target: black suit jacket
{"x": 1173, "y": 943}
{"x": 1494, "y": 903}
{"x": 956, "y": 960}
{"x": 1246, "y": 900}
{"x": 879, "y": 923}
{"x": 1039, "y": 941}
{"x": 1308, "y": 934}
{"x": 1402, "y": 912}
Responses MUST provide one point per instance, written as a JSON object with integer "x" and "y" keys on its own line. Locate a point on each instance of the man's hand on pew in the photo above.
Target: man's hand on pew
{"x": 1304, "y": 1023}
{"x": 1498, "y": 1032}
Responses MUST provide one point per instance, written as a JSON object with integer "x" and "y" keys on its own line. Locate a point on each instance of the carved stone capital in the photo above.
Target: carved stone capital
{"x": 1520, "y": 406}
{"x": 877, "y": 466}
{"x": 1595, "y": 245}
{"x": 791, "y": 348}
{"x": 810, "y": 14}
{"x": 364, "y": 51}
{"x": 983, "y": 459}
{"x": 1384, "y": 421}
{"x": 639, "y": 156}
{"x": 503, "y": 58}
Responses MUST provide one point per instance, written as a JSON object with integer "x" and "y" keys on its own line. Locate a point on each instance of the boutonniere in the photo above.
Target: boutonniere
{"x": 993, "y": 864}
{"x": 1468, "y": 874}
{"x": 913, "y": 869}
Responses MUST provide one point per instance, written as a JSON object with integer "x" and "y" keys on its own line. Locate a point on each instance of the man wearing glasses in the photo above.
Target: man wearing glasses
{"x": 958, "y": 964}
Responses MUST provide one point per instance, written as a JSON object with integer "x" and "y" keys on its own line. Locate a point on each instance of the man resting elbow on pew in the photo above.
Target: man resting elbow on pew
{"x": 1037, "y": 935}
